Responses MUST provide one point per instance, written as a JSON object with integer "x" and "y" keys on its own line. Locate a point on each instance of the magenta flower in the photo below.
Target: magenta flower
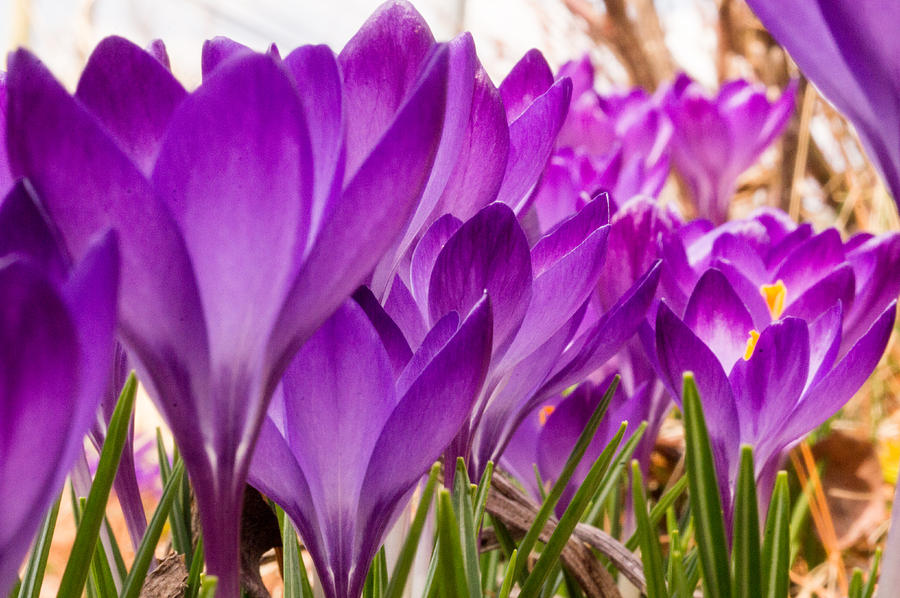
{"x": 249, "y": 210}
{"x": 617, "y": 143}
{"x": 716, "y": 139}
{"x": 56, "y": 342}
{"x": 767, "y": 385}
{"x": 358, "y": 421}
{"x": 543, "y": 340}
{"x": 850, "y": 52}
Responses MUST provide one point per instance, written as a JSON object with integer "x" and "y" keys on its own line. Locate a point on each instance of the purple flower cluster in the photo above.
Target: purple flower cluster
{"x": 330, "y": 269}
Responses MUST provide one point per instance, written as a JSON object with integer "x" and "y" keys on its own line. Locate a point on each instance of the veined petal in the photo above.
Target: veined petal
{"x": 405, "y": 312}
{"x": 768, "y": 385}
{"x": 529, "y": 79}
{"x": 876, "y": 268}
{"x": 804, "y": 266}
{"x": 719, "y": 318}
{"x": 372, "y": 209}
{"x": 133, "y": 95}
{"x": 531, "y": 140}
{"x": 6, "y": 177}
{"x": 489, "y": 252}
{"x": 424, "y": 422}
{"x": 24, "y": 231}
{"x": 236, "y": 171}
{"x": 837, "y": 286}
{"x": 426, "y": 253}
{"x": 217, "y": 50}
{"x": 374, "y": 89}
{"x": 391, "y": 336}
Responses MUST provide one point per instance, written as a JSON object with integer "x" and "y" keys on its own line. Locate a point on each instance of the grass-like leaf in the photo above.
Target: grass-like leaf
{"x": 144, "y": 556}
{"x": 745, "y": 556}
{"x": 196, "y": 571}
{"x": 451, "y": 576}
{"x": 659, "y": 510}
{"x": 480, "y": 500}
{"x": 465, "y": 517}
{"x": 208, "y": 586}
{"x": 77, "y": 568}
{"x": 411, "y": 544}
{"x": 869, "y": 588}
{"x": 509, "y": 577}
{"x": 706, "y": 501}
{"x": 37, "y": 563}
{"x": 584, "y": 440}
{"x": 776, "y": 552}
{"x": 651, "y": 552}
{"x": 612, "y": 481}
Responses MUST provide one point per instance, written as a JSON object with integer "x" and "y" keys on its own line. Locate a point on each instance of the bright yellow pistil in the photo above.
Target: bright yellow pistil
{"x": 774, "y": 294}
{"x": 751, "y": 345}
{"x": 545, "y": 412}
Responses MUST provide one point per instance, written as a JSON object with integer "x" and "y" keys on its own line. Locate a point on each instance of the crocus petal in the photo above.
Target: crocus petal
{"x": 424, "y": 422}
{"x": 824, "y": 398}
{"x": 25, "y": 232}
{"x": 216, "y": 51}
{"x": 481, "y": 164}
{"x": 39, "y": 370}
{"x": 531, "y": 139}
{"x": 82, "y": 178}
{"x": 489, "y": 252}
{"x": 333, "y": 439}
{"x": 825, "y": 250}
{"x": 570, "y": 258}
{"x": 825, "y": 340}
{"x": 527, "y": 81}
{"x": 405, "y": 312}
{"x": 679, "y": 350}
{"x": 157, "y": 49}
{"x": 375, "y": 89}
{"x": 318, "y": 78}
{"x": 239, "y": 183}
{"x": 391, "y": 336}
{"x": 876, "y": 266}
{"x": 719, "y": 318}
{"x": 768, "y": 385}
{"x": 133, "y": 95}
{"x": 836, "y": 286}
{"x": 384, "y": 190}
{"x": 426, "y": 253}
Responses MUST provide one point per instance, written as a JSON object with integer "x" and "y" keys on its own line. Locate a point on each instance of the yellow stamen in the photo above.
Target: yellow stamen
{"x": 751, "y": 345}
{"x": 545, "y": 412}
{"x": 774, "y": 294}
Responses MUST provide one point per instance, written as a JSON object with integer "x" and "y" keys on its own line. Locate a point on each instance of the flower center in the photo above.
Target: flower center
{"x": 774, "y": 295}
{"x": 751, "y": 345}
{"x": 545, "y": 412}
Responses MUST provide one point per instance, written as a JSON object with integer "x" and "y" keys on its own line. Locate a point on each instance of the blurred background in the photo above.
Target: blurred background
{"x": 815, "y": 172}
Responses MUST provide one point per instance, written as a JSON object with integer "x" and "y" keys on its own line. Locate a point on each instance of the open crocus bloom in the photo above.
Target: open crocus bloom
{"x": 849, "y": 50}
{"x": 56, "y": 342}
{"x": 716, "y": 139}
{"x": 779, "y": 268}
{"x": 249, "y": 210}
{"x": 765, "y": 386}
{"x": 358, "y": 421}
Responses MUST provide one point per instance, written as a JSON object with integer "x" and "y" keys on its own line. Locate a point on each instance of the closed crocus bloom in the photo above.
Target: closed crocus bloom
{"x": 765, "y": 386}
{"x": 358, "y": 420}
{"x": 56, "y": 342}
{"x": 716, "y": 139}
{"x": 544, "y": 340}
{"x": 547, "y": 436}
{"x": 780, "y": 269}
{"x": 250, "y": 210}
{"x": 851, "y": 53}
{"x": 617, "y": 143}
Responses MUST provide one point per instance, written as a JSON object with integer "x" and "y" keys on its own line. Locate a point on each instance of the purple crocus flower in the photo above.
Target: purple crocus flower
{"x": 617, "y": 143}
{"x": 781, "y": 268}
{"x": 249, "y": 208}
{"x": 766, "y": 386}
{"x": 716, "y": 139}
{"x": 57, "y": 340}
{"x": 358, "y": 421}
{"x": 547, "y": 436}
{"x": 6, "y": 178}
{"x": 544, "y": 340}
{"x": 850, "y": 51}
